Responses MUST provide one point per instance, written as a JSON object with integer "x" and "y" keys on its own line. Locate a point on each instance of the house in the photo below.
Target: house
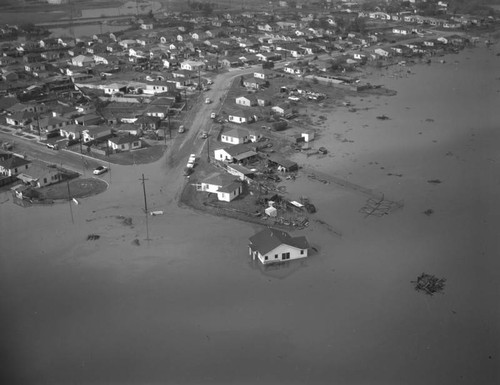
{"x": 95, "y": 132}
{"x": 124, "y": 143}
{"x": 40, "y": 175}
{"x": 236, "y": 115}
{"x": 247, "y": 101}
{"x": 240, "y": 171}
{"x": 192, "y": 65}
{"x": 235, "y": 136}
{"x": 88, "y": 120}
{"x": 13, "y": 165}
{"x": 71, "y": 131}
{"x": 83, "y": 61}
{"x": 272, "y": 245}
{"x": 236, "y": 153}
{"x": 281, "y": 163}
{"x": 20, "y": 118}
{"x": 255, "y": 83}
{"x": 225, "y": 186}
{"x": 49, "y": 125}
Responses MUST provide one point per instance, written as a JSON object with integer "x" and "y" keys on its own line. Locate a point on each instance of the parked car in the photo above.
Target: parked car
{"x": 204, "y": 135}
{"x": 213, "y": 115}
{"x": 208, "y": 101}
{"x": 53, "y": 146}
{"x": 100, "y": 170}
{"x": 181, "y": 129}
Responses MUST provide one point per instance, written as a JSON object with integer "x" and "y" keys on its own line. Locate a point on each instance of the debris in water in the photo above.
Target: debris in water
{"x": 429, "y": 284}
{"x": 136, "y": 242}
{"x": 93, "y": 237}
{"x": 429, "y": 212}
{"x": 434, "y": 181}
{"x": 382, "y": 117}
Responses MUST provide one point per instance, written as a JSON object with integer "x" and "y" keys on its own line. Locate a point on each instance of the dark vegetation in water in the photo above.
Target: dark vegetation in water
{"x": 429, "y": 284}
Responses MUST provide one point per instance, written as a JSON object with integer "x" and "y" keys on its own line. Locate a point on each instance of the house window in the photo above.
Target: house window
{"x": 44, "y": 180}
{"x": 122, "y": 146}
{"x": 15, "y": 170}
{"x": 26, "y": 167}
{"x": 265, "y": 257}
{"x": 301, "y": 252}
{"x": 285, "y": 256}
{"x": 275, "y": 256}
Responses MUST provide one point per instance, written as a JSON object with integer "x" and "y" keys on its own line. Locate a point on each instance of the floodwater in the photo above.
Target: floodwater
{"x": 129, "y": 8}
{"x": 86, "y": 30}
{"x": 191, "y": 308}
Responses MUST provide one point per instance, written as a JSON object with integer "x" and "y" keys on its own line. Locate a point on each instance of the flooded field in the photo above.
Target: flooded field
{"x": 189, "y": 307}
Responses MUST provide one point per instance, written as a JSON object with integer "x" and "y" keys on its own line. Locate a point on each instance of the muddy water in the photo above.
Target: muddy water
{"x": 191, "y": 308}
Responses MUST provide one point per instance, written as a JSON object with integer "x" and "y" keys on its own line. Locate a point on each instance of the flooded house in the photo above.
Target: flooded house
{"x": 272, "y": 245}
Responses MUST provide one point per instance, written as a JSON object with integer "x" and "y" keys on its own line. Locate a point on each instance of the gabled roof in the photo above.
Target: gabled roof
{"x": 218, "y": 179}
{"x": 13, "y": 162}
{"x": 237, "y": 133}
{"x": 124, "y": 139}
{"x": 269, "y": 239}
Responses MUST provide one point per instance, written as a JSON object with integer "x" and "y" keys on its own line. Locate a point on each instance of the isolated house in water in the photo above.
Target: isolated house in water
{"x": 272, "y": 245}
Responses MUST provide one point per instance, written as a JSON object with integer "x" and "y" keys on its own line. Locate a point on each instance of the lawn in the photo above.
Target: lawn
{"x": 79, "y": 188}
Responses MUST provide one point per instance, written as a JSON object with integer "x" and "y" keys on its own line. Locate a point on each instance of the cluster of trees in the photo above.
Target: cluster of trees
{"x": 205, "y": 7}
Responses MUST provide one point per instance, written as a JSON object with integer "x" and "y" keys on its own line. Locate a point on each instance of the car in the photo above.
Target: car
{"x": 181, "y": 129}
{"x": 53, "y": 146}
{"x": 192, "y": 158}
{"x": 213, "y": 115}
{"x": 204, "y": 135}
{"x": 100, "y": 170}
{"x": 208, "y": 101}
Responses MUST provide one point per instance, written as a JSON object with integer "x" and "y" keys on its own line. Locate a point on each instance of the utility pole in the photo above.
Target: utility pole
{"x": 208, "y": 150}
{"x": 69, "y": 202}
{"x": 143, "y": 180}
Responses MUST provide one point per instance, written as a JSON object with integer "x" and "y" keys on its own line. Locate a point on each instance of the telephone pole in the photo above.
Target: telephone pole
{"x": 69, "y": 202}
{"x": 143, "y": 180}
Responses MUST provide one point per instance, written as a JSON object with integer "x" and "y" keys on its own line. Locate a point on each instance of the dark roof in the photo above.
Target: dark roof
{"x": 124, "y": 139}
{"x": 13, "y": 162}
{"x": 282, "y": 161}
{"x": 269, "y": 239}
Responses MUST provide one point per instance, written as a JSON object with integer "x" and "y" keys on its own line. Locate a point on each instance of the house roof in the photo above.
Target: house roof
{"x": 229, "y": 188}
{"x": 13, "y": 162}
{"x": 238, "y": 150}
{"x": 38, "y": 170}
{"x": 269, "y": 239}
{"x": 124, "y": 139}
{"x": 218, "y": 179}
{"x": 239, "y": 133}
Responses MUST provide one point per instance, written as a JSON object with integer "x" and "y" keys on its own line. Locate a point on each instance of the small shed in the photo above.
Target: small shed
{"x": 308, "y": 136}
{"x": 271, "y": 211}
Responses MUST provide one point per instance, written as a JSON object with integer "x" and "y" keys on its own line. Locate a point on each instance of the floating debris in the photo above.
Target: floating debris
{"x": 429, "y": 284}
{"x": 379, "y": 207}
{"x": 434, "y": 181}
{"x": 383, "y": 117}
{"x": 136, "y": 242}
{"x": 93, "y": 237}
{"x": 126, "y": 221}
{"x": 429, "y": 212}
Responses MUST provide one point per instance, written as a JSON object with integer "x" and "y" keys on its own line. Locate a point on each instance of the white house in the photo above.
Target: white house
{"x": 124, "y": 143}
{"x": 83, "y": 61}
{"x": 272, "y": 245}
{"x": 225, "y": 186}
{"x": 192, "y": 65}
{"x": 238, "y": 153}
{"x": 247, "y": 101}
{"x": 235, "y": 136}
